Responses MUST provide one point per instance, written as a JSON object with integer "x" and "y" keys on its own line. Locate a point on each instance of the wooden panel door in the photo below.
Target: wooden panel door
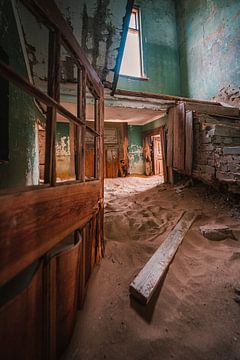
{"x": 157, "y": 155}
{"x": 111, "y": 161}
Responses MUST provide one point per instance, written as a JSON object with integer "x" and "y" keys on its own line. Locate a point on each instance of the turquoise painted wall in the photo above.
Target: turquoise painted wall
{"x": 22, "y": 168}
{"x": 160, "y": 49}
{"x": 135, "y": 149}
{"x": 155, "y": 124}
{"x": 209, "y": 46}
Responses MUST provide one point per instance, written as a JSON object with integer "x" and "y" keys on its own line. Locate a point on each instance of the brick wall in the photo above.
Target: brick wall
{"x": 216, "y": 158}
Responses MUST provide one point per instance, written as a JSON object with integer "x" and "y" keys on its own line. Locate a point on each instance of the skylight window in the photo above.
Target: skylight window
{"x": 132, "y": 62}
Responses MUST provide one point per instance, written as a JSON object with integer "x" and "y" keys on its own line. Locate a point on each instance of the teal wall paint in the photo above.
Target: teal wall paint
{"x": 209, "y": 46}
{"x": 160, "y": 49}
{"x": 155, "y": 124}
{"x": 135, "y": 148}
{"x": 22, "y": 168}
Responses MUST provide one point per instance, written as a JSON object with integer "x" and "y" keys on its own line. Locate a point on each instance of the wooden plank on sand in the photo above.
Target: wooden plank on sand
{"x": 146, "y": 282}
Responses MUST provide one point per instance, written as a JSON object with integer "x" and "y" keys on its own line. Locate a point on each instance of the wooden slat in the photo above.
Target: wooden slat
{"x": 170, "y": 137}
{"x": 179, "y": 138}
{"x": 213, "y": 109}
{"x": 53, "y": 92}
{"x": 163, "y": 97}
{"x": 78, "y": 150}
{"x": 33, "y": 222}
{"x": 146, "y": 282}
{"x": 163, "y": 149}
{"x": 189, "y": 143}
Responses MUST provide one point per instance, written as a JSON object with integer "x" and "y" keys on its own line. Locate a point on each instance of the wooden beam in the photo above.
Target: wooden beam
{"x": 212, "y": 109}
{"x": 179, "y": 138}
{"x": 146, "y": 282}
{"x": 164, "y": 97}
{"x": 32, "y": 222}
{"x": 189, "y": 143}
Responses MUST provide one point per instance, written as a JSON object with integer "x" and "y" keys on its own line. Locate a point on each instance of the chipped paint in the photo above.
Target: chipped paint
{"x": 209, "y": 46}
{"x": 135, "y": 150}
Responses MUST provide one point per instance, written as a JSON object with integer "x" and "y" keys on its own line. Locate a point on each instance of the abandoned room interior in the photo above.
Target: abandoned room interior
{"x": 120, "y": 179}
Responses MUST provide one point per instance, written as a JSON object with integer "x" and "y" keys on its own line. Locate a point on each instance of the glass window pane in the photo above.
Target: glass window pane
{"x": 133, "y": 21}
{"x": 65, "y": 149}
{"x": 68, "y": 81}
{"x": 90, "y": 156}
{"x": 131, "y": 62}
{"x": 33, "y": 42}
{"x": 25, "y": 119}
{"x": 90, "y": 110}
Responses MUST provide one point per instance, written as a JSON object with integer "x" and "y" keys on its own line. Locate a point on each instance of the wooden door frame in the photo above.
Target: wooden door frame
{"x": 159, "y": 131}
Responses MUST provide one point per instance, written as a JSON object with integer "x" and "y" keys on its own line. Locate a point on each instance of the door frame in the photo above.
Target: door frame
{"x": 159, "y": 131}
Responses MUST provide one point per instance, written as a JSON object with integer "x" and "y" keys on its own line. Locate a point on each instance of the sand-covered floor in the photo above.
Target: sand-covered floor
{"x": 194, "y": 315}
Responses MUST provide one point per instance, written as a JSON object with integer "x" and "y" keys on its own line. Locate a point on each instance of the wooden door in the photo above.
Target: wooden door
{"x": 157, "y": 156}
{"x": 111, "y": 162}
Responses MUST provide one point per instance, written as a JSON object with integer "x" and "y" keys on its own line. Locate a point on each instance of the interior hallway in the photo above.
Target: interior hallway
{"x": 194, "y": 315}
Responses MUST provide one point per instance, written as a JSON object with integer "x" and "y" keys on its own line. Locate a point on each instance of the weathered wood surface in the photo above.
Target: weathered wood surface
{"x": 21, "y": 321}
{"x": 33, "y": 222}
{"x": 146, "y": 282}
{"x": 171, "y": 115}
{"x": 212, "y": 109}
{"x": 179, "y": 138}
{"x": 165, "y": 97}
{"x": 189, "y": 143}
{"x": 66, "y": 282}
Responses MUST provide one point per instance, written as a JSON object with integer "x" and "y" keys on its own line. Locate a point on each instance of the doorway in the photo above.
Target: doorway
{"x": 154, "y": 152}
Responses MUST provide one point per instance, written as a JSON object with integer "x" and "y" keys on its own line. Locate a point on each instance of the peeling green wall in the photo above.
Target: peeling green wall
{"x": 22, "y": 168}
{"x": 97, "y": 25}
{"x": 209, "y": 45}
{"x": 160, "y": 49}
{"x": 135, "y": 149}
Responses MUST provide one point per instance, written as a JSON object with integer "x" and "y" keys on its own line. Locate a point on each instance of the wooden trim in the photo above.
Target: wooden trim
{"x": 188, "y": 143}
{"x": 212, "y": 109}
{"x": 164, "y": 155}
{"x": 126, "y": 22}
{"x": 163, "y": 97}
{"x": 53, "y": 92}
{"x": 78, "y": 129}
{"x": 31, "y": 223}
{"x": 83, "y": 117}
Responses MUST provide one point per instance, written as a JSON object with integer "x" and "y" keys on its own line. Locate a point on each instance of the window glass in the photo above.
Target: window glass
{"x": 68, "y": 81}
{"x": 132, "y": 64}
{"x": 90, "y": 156}
{"x": 65, "y": 149}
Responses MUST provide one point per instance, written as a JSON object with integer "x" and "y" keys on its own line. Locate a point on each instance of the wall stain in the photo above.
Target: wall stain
{"x": 100, "y": 30}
